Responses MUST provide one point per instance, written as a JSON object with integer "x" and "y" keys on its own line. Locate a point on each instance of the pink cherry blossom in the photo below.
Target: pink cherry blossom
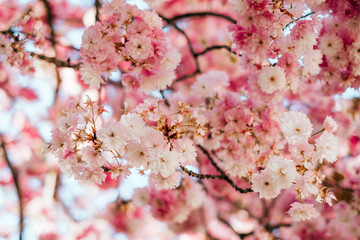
{"x": 330, "y": 125}
{"x": 327, "y": 147}
{"x": 299, "y": 212}
{"x": 283, "y": 171}
{"x": 271, "y": 79}
{"x": 296, "y": 127}
{"x": 265, "y": 185}
{"x": 176, "y": 119}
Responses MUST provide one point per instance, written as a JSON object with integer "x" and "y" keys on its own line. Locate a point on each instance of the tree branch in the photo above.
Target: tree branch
{"x": 97, "y": 6}
{"x": 200, "y": 14}
{"x": 187, "y": 76}
{"x": 54, "y": 60}
{"x": 187, "y": 40}
{"x": 162, "y": 92}
{"x": 270, "y": 228}
{"x": 320, "y": 131}
{"x": 226, "y": 178}
{"x": 171, "y": 21}
{"x": 57, "y": 62}
{"x": 215, "y": 47}
{"x": 201, "y": 176}
{"x": 50, "y": 19}
{"x": 302, "y": 17}
{"x": 17, "y": 186}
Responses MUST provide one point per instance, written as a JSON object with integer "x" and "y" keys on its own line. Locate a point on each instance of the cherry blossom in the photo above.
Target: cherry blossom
{"x": 327, "y": 147}
{"x": 265, "y": 185}
{"x": 303, "y": 211}
{"x": 296, "y": 127}
{"x": 175, "y": 119}
{"x": 283, "y": 171}
{"x": 271, "y": 79}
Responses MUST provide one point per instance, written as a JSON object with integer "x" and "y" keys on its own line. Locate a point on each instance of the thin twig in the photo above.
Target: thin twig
{"x": 17, "y": 186}
{"x": 12, "y": 33}
{"x": 97, "y": 7}
{"x": 226, "y": 178}
{"x": 320, "y": 131}
{"x": 57, "y": 62}
{"x": 54, "y": 60}
{"x": 215, "y": 47}
{"x": 201, "y": 14}
{"x": 187, "y": 76}
{"x": 192, "y": 51}
{"x": 270, "y": 228}
{"x": 187, "y": 40}
{"x": 201, "y": 176}
{"x": 50, "y": 19}
{"x": 172, "y": 22}
{"x": 297, "y": 19}
{"x": 162, "y": 92}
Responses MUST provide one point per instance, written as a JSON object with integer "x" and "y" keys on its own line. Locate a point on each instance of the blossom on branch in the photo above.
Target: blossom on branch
{"x": 302, "y": 211}
{"x": 170, "y": 129}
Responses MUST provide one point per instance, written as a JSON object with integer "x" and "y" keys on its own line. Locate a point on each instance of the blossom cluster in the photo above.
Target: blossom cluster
{"x": 145, "y": 138}
{"x": 15, "y": 54}
{"x": 240, "y": 128}
{"x": 28, "y": 28}
{"x": 247, "y": 137}
{"x": 302, "y": 174}
{"x": 132, "y": 40}
{"x": 301, "y": 46}
{"x": 248, "y": 141}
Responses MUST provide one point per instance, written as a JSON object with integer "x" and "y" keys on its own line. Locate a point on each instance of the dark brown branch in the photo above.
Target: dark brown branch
{"x": 226, "y": 178}
{"x": 211, "y": 159}
{"x": 305, "y": 16}
{"x": 270, "y": 228}
{"x": 189, "y": 44}
{"x": 172, "y": 22}
{"x": 50, "y": 20}
{"x": 54, "y": 60}
{"x": 297, "y": 19}
{"x": 192, "y": 51}
{"x": 320, "y": 131}
{"x": 197, "y": 65}
{"x": 201, "y": 176}
{"x": 187, "y": 76}
{"x": 12, "y": 33}
{"x": 17, "y": 186}
{"x": 215, "y": 47}
{"x": 57, "y": 62}
{"x": 162, "y": 92}
{"x": 200, "y": 14}
{"x": 97, "y": 6}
